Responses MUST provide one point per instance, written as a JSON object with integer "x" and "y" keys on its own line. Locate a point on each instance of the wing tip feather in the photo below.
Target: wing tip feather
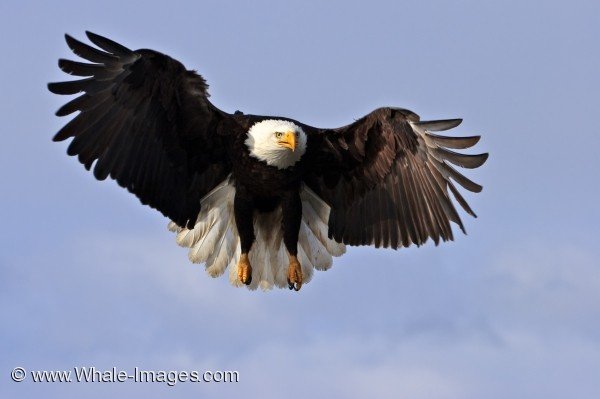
{"x": 107, "y": 44}
{"x": 440, "y": 124}
{"x": 58, "y": 138}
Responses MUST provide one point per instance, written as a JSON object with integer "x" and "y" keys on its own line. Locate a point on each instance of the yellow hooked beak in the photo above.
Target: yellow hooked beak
{"x": 288, "y": 140}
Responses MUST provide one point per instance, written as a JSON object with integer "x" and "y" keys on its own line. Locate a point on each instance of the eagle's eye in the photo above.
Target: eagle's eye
{"x": 278, "y": 135}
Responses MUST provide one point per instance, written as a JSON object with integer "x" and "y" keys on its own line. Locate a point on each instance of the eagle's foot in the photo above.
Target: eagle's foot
{"x": 244, "y": 270}
{"x": 294, "y": 274}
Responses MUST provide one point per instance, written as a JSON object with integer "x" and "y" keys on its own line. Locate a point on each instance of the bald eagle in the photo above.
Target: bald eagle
{"x": 253, "y": 192}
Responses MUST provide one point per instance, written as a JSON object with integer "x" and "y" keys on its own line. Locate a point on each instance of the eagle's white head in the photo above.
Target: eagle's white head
{"x": 278, "y": 143}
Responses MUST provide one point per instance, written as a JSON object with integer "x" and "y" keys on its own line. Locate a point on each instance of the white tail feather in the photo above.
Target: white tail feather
{"x": 233, "y": 272}
{"x": 259, "y": 255}
{"x": 315, "y": 213}
{"x": 207, "y": 243}
{"x": 214, "y": 239}
{"x": 314, "y": 249}
{"x": 174, "y": 228}
{"x": 217, "y": 265}
{"x": 306, "y": 265}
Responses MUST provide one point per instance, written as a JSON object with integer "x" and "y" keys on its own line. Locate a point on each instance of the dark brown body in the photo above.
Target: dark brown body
{"x": 260, "y": 187}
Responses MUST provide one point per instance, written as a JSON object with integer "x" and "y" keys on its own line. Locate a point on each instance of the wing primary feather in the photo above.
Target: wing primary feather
{"x": 75, "y": 105}
{"x": 70, "y": 87}
{"x": 100, "y": 137}
{"x": 85, "y": 102}
{"x": 111, "y": 143}
{"x": 454, "y": 142}
{"x": 134, "y": 163}
{"x": 439, "y": 125}
{"x": 445, "y": 210}
{"x": 82, "y": 121}
{"x": 89, "y": 85}
{"x": 463, "y": 160}
{"x": 119, "y": 151}
{"x": 410, "y": 207}
{"x": 449, "y": 172}
{"x": 417, "y": 207}
{"x": 102, "y": 168}
{"x": 89, "y": 53}
{"x": 109, "y": 45}
{"x": 98, "y": 71}
{"x": 462, "y": 203}
{"x": 96, "y": 129}
{"x": 440, "y": 186}
{"x": 424, "y": 207}
{"x": 127, "y": 153}
{"x": 438, "y": 217}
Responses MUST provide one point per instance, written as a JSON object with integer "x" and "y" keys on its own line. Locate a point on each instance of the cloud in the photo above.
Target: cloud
{"x": 550, "y": 290}
{"x": 520, "y": 321}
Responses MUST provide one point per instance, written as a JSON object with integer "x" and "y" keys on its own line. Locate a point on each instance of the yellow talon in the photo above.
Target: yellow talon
{"x": 294, "y": 274}
{"x": 244, "y": 270}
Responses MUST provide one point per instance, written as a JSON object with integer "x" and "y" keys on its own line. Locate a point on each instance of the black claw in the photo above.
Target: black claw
{"x": 248, "y": 281}
{"x": 290, "y": 284}
{"x": 297, "y": 287}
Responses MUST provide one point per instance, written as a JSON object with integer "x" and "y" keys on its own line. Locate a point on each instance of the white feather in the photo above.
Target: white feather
{"x": 214, "y": 240}
{"x": 306, "y": 265}
{"x": 314, "y": 248}
{"x": 315, "y": 212}
{"x": 260, "y": 261}
{"x": 233, "y": 269}
{"x": 267, "y": 226}
{"x": 280, "y": 268}
{"x": 215, "y": 265}
{"x": 174, "y": 227}
{"x": 206, "y": 245}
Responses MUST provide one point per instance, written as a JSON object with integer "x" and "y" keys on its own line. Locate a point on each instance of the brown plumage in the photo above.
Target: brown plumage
{"x": 389, "y": 182}
{"x": 146, "y": 121}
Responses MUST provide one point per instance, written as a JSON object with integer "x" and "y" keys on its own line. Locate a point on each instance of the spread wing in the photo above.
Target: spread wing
{"x": 388, "y": 178}
{"x": 147, "y": 123}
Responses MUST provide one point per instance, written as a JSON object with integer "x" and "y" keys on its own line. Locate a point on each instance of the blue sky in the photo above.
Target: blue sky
{"x": 88, "y": 276}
